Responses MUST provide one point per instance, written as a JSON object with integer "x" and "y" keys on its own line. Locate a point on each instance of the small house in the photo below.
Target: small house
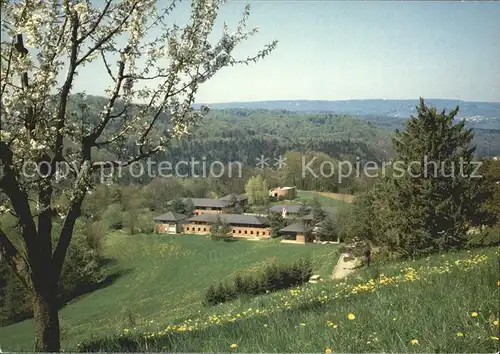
{"x": 288, "y": 193}
{"x": 245, "y": 226}
{"x": 169, "y": 223}
{"x": 295, "y": 233}
{"x": 216, "y": 206}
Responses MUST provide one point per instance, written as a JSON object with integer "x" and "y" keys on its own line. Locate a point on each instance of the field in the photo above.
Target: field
{"x": 161, "y": 279}
{"x": 326, "y": 199}
{"x": 446, "y": 303}
{"x": 348, "y": 198}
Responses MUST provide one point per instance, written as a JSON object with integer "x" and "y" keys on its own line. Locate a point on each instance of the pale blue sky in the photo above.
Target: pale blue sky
{"x": 335, "y": 50}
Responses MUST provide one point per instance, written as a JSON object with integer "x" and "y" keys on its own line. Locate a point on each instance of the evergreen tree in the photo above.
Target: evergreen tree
{"x": 276, "y": 222}
{"x": 317, "y": 209}
{"x": 180, "y": 206}
{"x": 328, "y": 230}
{"x": 177, "y": 206}
{"x": 220, "y": 229}
{"x": 188, "y": 207}
{"x": 303, "y": 210}
{"x": 434, "y": 199}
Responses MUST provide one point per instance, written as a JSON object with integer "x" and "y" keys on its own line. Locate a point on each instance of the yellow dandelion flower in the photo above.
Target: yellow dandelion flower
{"x": 334, "y": 326}
{"x": 351, "y": 316}
{"x": 302, "y": 324}
{"x": 234, "y": 346}
{"x": 394, "y": 318}
{"x": 495, "y": 338}
{"x": 474, "y": 314}
{"x": 498, "y": 282}
{"x": 328, "y": 350}
{"x": 414, "y": 341}
{"x": 460, "y": 334}
{"x": 495, "y": 323}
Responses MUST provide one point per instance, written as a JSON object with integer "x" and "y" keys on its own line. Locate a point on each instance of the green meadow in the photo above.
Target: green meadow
{"x": 161, "y": 278}
{"x": 308, "y": 196}
{"x": 446, "y": 303}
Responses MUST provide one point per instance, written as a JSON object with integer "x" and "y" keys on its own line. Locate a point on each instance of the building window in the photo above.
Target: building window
{"x": 199, "y": 228}
{"x": 258, "y": 233}
{"x": 234, "y": 231}
{"x": 204, "y": 229}
{"x": 251, "y": 232}
{"x": 245, "y": 231}
{"x": 187, "y": 228}
{"x": 239, "y": 231}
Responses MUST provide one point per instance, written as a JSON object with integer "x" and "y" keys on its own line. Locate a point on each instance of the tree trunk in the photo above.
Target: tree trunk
{"x": 46, "y": 320}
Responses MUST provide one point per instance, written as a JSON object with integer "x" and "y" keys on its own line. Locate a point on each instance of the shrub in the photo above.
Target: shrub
{"x": 273, "y": 277}
{"x": 144, "y": 223}
{"x": 488, "y": 236}
{"x": 210, "y": 296}
{"x": 113, "y": 216}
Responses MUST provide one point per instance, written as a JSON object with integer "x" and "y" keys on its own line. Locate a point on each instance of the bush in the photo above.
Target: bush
{"x": 81, "y": 269}
{"x": 113, "y": 216}
{"x": 94, "y": 233}
{"x": 144, "y": 222}
{"x": 489, "y": 236}
{"x": 273, "y": 277}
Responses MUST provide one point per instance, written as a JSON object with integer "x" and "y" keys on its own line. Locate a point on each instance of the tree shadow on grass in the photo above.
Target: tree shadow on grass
{"x": 106, "y": 261}
{"x": 75, "y": 295}
{"x": 86, "y": 289}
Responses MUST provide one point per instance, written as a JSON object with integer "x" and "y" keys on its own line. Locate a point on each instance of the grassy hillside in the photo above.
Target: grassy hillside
{"x": 161, "y": 278}
{"x": 307, "y": 196}
{"x": 446, "y": 303}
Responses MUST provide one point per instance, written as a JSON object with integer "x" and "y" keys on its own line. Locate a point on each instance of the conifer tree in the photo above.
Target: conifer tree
{"x": 434, "y": 193}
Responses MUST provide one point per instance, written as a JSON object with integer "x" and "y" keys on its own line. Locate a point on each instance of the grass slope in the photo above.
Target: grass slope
{"x": 446, "y": 303}
{"x": 164, "y": 278}
{"x": 307, "y": 197}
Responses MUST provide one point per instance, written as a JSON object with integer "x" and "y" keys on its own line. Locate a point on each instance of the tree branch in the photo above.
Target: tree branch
{"x": 99, "y": 43}
{"x": 96, "y": 133}
{"x": 96, "y": 24}
{"x": 21, "y": 49}
{"x": 66, "y": 232}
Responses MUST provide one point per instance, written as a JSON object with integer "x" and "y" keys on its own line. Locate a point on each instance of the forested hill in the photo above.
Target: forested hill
{"x": 485, "y": 115}
{"x": 482, "y": 117}
{"x": 246, "y": 134}
{"x": 243, "y": 134}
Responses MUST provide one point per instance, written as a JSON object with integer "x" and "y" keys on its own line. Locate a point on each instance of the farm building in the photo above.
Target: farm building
{"x": 283, "y": 193}
{"x": 169, "y": 223}
{"x": 248, "y": 226}
{"x": 295, "y": 233}
{"x": 216, "y": 206}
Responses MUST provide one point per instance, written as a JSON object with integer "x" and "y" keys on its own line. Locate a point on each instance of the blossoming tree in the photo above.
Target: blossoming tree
{"x": 154, "y": 72}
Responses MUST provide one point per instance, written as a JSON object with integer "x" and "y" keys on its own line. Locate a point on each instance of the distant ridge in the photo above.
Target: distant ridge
{"x": 378, "y": 107}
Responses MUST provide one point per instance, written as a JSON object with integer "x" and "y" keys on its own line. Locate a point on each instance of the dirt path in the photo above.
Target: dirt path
{"x": 343, "y": 268}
